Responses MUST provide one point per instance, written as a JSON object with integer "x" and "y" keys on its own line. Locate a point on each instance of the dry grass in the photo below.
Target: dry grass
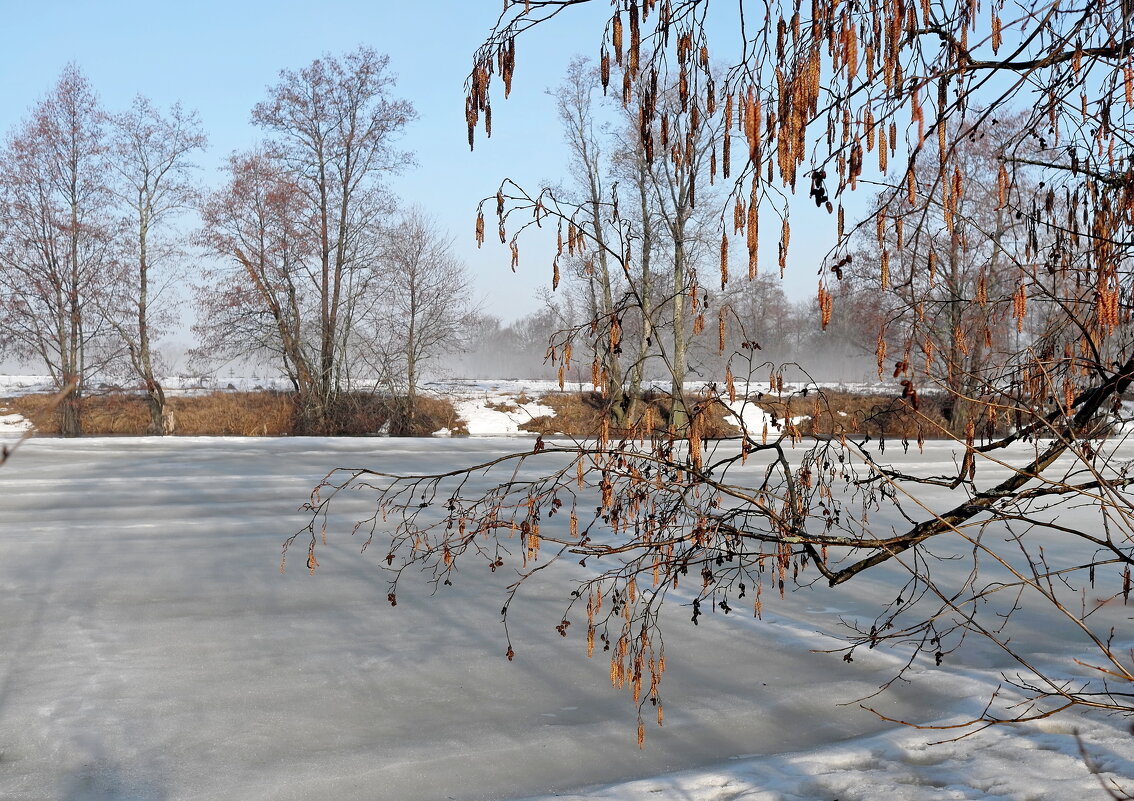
{"x": 580, "y": 414}
{"x": 829, "y": 413}
{"x": 362, "y": 414}
{"x": 215, "y": 414}
{"x": 574, "y": 415}
{"x": 503, "y": 405}
{"x": 434, "y": 414}
{"x": 237, "y": 414}
{"x": 823, "y": 413}
{"x": 243, "y": 414}
{"x": 118, "y": 414}
{"x": 266, "y": 413}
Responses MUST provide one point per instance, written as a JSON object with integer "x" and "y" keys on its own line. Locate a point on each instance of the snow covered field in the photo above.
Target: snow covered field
{"x": 153, "y": 650}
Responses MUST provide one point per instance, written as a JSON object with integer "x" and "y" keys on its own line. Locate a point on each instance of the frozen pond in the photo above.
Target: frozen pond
{"x": 152, "y": 649}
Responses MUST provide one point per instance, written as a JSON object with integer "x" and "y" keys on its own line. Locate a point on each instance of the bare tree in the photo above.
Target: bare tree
{"x": 57, "y": 260}
{"x": 151, "y": 155}
{"x": 333, "y": 126}
{"x": 266, "y": 305}
{"x": 424, "y": 306}
{"x": 594, "y": 194}
{"x": 941, "y": 295}
{"x": 635, "y": 247}
{"x": 517, "y": 349}
{"x": 686, "y": 133}
{"x": 760, "y": 317}
{"x": 634, "y": 169}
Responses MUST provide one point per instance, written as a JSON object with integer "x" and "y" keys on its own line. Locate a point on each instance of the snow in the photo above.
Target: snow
{"x": 489, "y": 408}
{"x": 1125, "y": 417}
{"x": 753, "y": 388}
{"x": 483, "y": 420}
{"x": 13, "y": 423}
{"x": 751, "y": 418}
{"x": 14, "y": 384}
{"x": 1034, "y": 762}
{"x": 154, "y": 650}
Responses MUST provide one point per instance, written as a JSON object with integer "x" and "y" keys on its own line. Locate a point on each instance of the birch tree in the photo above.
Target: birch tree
{"x": 151, "y": 155}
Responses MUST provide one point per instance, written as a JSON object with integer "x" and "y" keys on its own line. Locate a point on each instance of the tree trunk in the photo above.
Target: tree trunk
{"x": 161, "y": 419}
{"x": 679, "y": 417}
{"x": 645, "y": 332}
{"x": 160, "y": 422}
{"x": 608, "y": 351}
{"x": 70, "y": 412}
{"x": 410, "y": 412}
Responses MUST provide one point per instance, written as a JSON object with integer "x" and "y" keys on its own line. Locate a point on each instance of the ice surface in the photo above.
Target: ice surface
{"x": 153, "y": 650}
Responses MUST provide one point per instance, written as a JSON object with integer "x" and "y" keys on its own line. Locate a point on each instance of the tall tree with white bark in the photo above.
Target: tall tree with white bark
{"x": 151, "y": 155}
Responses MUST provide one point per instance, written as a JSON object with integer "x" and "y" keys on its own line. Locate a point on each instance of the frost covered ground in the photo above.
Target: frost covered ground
{"x": 153, "y": 650}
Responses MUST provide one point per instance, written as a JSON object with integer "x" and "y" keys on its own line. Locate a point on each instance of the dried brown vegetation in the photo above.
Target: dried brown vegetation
{"x": 822, "y": 413}
{"x": 242, "y": 414}
{"x": 581, "y": 414}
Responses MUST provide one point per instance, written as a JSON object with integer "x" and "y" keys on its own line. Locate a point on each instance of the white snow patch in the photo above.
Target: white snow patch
{"x": 484, "y": 421}
{"x": 1125, "y": 418}
{"x": 490, "y": 408}
{"x": 749, "y": 417}
{"x": 24, "y": 384}
{"x": 1019, "y": 763}
{"x": 14, "y": 423}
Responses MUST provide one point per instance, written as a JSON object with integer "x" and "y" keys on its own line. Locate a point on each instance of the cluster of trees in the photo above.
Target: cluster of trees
{"x": 992, "y": 263}
{"x": 312, "y": 264}
{"x": 641, "y": 248}
{"x": 632, "y": 229}
{"x": 619, "y": 207}
{"x": 84, "y": 196}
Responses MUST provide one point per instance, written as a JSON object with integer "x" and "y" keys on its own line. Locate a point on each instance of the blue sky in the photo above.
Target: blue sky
{"x": 219, "y": 58}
